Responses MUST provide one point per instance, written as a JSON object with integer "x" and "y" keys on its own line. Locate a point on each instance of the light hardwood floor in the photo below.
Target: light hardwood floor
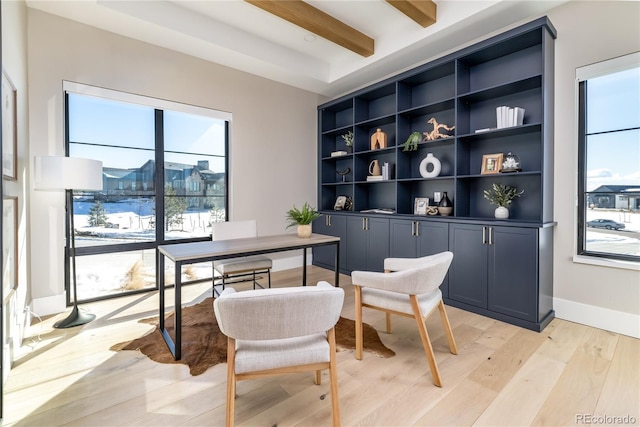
{"x": 503, "y": 375}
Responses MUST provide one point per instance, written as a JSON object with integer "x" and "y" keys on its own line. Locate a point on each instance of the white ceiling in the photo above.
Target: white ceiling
{"x": 239, "y": 35}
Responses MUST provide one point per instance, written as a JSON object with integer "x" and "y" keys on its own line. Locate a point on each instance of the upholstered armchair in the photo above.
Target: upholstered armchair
{"x": 278, "y": 331}
{"x": 409, "y": 287}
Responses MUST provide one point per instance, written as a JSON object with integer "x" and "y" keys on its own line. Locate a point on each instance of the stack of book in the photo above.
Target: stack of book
{"x": 508, "y": 116}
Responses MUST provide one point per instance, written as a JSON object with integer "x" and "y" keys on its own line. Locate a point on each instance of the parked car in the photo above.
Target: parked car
{"x": 609, "y": 224}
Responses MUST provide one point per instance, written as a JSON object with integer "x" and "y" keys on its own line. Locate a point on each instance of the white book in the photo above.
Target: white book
{"x": 499, "y": 123}
{"x": 519, "y": 116}
{"x": 511, "y": 121}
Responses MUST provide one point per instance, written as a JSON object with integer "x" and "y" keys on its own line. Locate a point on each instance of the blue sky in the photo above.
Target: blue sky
{"x": 118, "y": 124}
{"x": 614, "y": 104}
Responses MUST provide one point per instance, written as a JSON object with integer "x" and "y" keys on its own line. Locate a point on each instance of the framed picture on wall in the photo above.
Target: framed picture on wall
{"x": 9, "y": 126}
{"x": 9, "y": 246}
{"x": 491, "y": 163}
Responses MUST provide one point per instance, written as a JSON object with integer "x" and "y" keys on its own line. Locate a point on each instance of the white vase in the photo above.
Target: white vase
{"x": 304, "y": 230}
{"x": 502, "y": 212}
{"x": 424, "y": 164}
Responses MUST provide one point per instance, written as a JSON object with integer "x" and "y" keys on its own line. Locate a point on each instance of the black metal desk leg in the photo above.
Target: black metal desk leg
{"x": 304, "y": 266}
{"x": 177, "y": 321}
{"x": 337, "y": 264}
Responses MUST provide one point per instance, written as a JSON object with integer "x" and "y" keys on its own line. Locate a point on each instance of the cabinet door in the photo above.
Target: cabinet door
{"x": 367, "y": 243}
{"x": 356, "y": 243}
{"x": 432, "y": 238}
{"x": 331, "y": 225}
{"x": 468, "y": 272}
{"x": 402, "y": 242}
{"x": 378, "y": 243}
{"x": 513, "y": 272}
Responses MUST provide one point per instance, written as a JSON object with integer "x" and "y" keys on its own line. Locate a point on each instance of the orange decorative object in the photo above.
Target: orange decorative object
{"x": 378, "y": 140}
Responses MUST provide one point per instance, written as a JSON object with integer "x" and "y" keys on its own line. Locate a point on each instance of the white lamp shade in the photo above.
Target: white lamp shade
{"x": 67, "y": 173}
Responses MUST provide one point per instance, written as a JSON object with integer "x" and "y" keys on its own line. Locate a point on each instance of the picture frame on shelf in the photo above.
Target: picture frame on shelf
{"x": 9, "y": 245}
{"x": 420, "y": 205}
{"x": 491, "y": 163}
{"x": 9, "y": 128}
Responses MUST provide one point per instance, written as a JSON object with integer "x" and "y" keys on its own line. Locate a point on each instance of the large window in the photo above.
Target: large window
{"x": 165, "y": 174}
{"x": 609, "y": 159}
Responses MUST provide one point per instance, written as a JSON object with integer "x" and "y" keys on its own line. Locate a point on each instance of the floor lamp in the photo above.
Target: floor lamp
{"x": 68, "y": 174}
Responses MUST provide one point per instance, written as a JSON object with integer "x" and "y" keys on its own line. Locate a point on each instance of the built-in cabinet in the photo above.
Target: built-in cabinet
{"x": 461, "y": 90}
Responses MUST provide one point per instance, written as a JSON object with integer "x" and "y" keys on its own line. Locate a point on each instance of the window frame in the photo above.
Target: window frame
{"x": 159, "y": 106}
{"x": 583, "y": 74}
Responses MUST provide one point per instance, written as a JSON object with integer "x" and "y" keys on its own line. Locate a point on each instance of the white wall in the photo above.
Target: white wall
{"x": 273, "y": 132}
{"x": 588, "y": 32}
{"x": 14, "y": 62}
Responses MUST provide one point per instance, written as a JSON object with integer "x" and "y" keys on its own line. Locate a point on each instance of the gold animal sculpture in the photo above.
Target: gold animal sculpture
{"x": 435, "y": 133}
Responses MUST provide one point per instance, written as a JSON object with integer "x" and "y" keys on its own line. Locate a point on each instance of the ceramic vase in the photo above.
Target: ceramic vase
{"x": 304, "y": 231}
{"x": 424, "y": 166}
{"x": 445, "y": 207}
{"x": 502, "y": 212}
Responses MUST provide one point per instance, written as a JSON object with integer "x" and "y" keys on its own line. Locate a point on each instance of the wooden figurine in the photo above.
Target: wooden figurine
{"x": 378, "y": 140}
{"x": 435, "y": 133}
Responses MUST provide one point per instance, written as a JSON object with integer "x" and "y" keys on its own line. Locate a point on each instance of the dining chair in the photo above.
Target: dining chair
{"x": 243, "y": 267}
{"x": 409, "y": 287}
{"x": 278, "y": 331}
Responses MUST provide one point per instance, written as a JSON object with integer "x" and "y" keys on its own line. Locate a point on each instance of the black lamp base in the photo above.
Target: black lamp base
{"x": 75, "y": 318}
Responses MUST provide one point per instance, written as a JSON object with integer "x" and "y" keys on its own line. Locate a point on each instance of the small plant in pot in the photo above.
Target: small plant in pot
{"x": 502, "y": 196}
{"x": 348, "y": 140}
{"x": 302, "y": 218}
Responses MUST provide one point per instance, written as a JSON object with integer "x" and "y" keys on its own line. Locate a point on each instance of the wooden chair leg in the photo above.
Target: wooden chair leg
{"x": 231, "y": 381}
{"x": 269, "y": 276}
{"x": 359, "y": 337}
{"x": 447, "y": 328}
{"x": 333, "y": 378}
{"x": 426, "y": 343}
{"x": 317, "y": 380}
{"x": 388, "y": 322}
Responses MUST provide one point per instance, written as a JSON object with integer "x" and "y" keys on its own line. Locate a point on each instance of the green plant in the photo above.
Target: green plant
{"x": 348, "y": 138}
{"x": 303, "y": 216}
{"x": 502, "y": 195}
{"x": 411, "y": 144}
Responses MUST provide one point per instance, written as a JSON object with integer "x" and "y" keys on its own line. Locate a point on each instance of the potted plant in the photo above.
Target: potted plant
{"x": 348, "y": 140}
{"x": 502, "y": 196}
{"x": 302, "y": 218}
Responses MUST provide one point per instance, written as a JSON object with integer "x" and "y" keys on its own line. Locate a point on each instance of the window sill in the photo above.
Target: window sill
{"x": 605, "y": 262}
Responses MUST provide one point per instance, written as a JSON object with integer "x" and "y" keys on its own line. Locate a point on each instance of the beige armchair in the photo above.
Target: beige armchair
{"x": 409, "y": 287}
{"x": 244, "y": 267}
{"x": 278, "y": 331}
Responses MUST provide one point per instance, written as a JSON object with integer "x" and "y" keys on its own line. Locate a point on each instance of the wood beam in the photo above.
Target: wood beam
{"x": 326, "y": 26}
{"x": 421, "y": 11}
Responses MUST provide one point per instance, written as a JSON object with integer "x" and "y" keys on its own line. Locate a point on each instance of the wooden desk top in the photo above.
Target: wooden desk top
{"x": 220, "y": 249}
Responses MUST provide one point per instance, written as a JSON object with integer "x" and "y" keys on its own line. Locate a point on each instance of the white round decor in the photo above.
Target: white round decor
{"x": 424, "y": 166}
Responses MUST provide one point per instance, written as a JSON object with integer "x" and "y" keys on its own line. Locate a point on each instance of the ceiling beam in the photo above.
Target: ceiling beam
{"x": 421, "y": 11}
{"x": 326, "y": 26}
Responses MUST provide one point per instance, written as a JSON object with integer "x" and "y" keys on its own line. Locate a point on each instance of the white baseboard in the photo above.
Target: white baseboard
{"x": 49, "y": 305}
{"x": 598, "y": 317}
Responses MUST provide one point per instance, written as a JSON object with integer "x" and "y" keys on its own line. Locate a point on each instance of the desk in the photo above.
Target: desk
{"x": 191, "y": 253}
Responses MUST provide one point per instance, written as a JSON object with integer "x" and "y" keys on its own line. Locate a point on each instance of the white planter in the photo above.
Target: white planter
{"x": 304, "y": 231}
{"x": 502, "y": 212}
